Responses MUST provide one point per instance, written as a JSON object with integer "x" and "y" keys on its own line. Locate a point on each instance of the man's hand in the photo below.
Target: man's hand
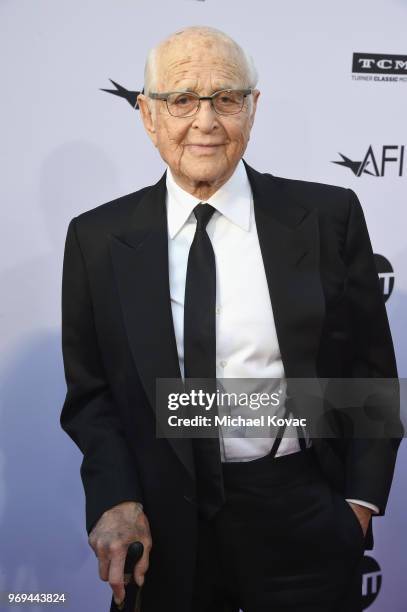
{"x": 363, "y": 514}
{"x": 110, "y": 538}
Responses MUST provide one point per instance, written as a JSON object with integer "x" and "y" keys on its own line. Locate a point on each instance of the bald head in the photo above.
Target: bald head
{"x": 179, "y": 46}
{"x": 203, "y": 147}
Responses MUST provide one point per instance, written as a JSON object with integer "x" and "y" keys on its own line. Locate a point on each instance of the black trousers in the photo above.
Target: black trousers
{"x": 285, "y": 541}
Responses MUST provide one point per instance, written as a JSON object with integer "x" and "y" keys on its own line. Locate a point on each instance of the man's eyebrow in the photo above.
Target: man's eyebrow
{"x": 226, "y": 86}
{"x": 221, "y": 87}
{"x": 184, "y": 84}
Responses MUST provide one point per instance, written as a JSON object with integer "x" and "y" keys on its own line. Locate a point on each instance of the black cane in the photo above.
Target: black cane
{"x": 131, "y": 602}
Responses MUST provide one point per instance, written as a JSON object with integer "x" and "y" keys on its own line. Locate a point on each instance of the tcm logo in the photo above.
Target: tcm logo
{"x": 387, "y": 159}
{"x": 371, "y": 581}
{"x": 374, "y": 63}
{"x": 386, "y": 275}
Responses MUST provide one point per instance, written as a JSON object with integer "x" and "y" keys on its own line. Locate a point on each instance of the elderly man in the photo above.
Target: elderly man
{"x": 219, "y": 270}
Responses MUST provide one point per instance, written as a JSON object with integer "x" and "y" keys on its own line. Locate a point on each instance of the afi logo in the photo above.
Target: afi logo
{"x": 374, "y": 63}
{"x": 376, "y": 164}
{"x": 126, "y": 94}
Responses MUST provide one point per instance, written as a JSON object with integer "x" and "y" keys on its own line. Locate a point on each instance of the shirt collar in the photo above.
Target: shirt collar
{"x": 233, "y": 200}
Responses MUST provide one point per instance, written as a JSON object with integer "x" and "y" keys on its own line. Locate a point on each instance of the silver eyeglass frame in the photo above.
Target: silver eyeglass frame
{"x": 165, "y": 95}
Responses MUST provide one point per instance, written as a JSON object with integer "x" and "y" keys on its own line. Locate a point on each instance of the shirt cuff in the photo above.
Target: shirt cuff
{"x": 363, "y": 503}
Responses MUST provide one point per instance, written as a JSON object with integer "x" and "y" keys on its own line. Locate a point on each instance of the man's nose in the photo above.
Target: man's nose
{"x": 205, "y": 118}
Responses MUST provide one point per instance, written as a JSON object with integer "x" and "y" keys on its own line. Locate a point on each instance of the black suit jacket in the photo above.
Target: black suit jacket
{"x": 118, "y": 337}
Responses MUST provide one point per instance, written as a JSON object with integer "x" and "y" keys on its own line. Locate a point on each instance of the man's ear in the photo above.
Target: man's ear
{"x": 255, "y": 96}
{"x": 147, "y": 117}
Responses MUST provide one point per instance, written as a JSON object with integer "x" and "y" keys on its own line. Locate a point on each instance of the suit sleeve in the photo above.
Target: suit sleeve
{"x": 370, "y": 462}
{"x": 88, "y": 415}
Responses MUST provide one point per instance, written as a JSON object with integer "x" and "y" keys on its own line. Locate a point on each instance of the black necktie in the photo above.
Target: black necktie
{"x": 200, "y": 354}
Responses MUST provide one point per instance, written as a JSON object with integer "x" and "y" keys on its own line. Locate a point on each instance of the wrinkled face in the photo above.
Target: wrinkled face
{"x": 205, "y": 147}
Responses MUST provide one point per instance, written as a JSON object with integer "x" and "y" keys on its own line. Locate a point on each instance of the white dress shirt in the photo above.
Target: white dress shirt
{"x": 246, "y": 339}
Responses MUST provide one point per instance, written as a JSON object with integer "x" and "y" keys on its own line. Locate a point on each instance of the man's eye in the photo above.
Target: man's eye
{"x": 226, "y": 99}
{"x": 182, "y": 100}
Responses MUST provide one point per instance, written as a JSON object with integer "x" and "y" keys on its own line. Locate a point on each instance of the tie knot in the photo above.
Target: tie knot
{"x": 203, "y": 212}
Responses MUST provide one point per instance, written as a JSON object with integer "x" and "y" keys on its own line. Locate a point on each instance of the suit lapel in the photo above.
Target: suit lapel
{"x": 140, "y": 262}
{"x": 289, "y": 242}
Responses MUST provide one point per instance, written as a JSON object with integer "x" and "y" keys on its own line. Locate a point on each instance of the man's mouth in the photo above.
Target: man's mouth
{"x": 203, "y": 148}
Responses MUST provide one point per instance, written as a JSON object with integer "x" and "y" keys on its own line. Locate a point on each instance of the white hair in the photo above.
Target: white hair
{"x": 151, "y": 65}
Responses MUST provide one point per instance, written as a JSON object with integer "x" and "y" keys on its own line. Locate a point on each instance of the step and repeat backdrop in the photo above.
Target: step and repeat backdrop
{"x": 333, "y": 81}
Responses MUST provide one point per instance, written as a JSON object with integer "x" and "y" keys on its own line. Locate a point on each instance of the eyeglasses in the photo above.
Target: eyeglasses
{"x": 187, "y": 103}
